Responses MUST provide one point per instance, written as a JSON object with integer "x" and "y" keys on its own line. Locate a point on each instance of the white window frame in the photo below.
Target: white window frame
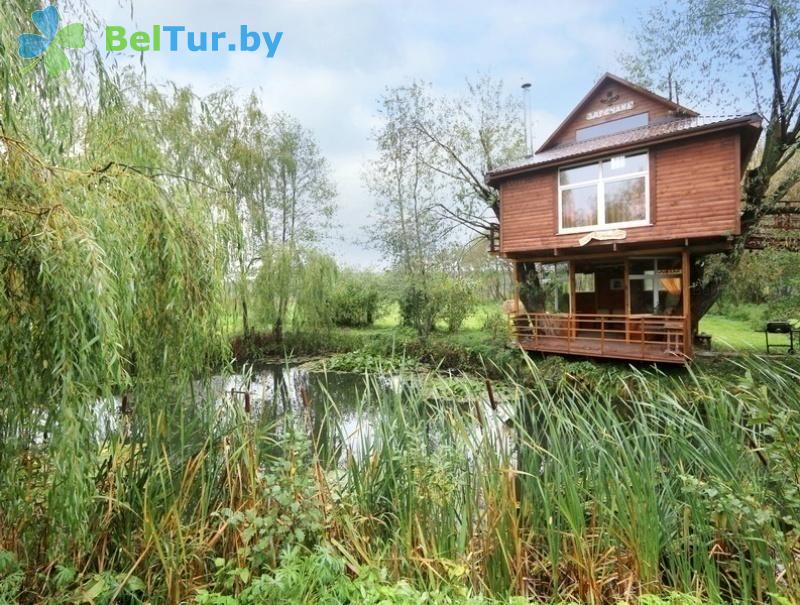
{"x": 600, "y": 182}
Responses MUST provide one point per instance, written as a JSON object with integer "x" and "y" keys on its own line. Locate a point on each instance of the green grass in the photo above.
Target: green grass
{"x": 733, "y": 334}
{"x": 390, "y": 318}
{"x": 730, "y": 334}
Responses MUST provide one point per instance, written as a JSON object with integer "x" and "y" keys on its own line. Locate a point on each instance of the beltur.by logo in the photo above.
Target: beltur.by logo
{"x": 49, "y": 45}
{"x": 176, "y": 37}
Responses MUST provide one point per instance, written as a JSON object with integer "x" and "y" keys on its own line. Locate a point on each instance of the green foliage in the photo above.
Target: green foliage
{"x": 355, "y": 300}
{"x": 109, "y": 285}
{"x": 277, "y": 194}
{"x": 285, "y": 514}
{"x": 419, "y": 308}
{"x": 440, "y": 297}
{"x": 293, "y": 289}
{"x": 457, "y": 301}
{"x": 11, "y": 578}
{"x": 498, "y": 326}
{"x": 322, "y": 577}
{"x": 365, "y": 361}
{"x": 313, "y": 299}
{"x": 765, "y": 285}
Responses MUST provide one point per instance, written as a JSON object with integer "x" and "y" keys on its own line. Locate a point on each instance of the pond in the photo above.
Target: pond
{"x": 341, "y": 407}
{"x": 344, "y": 413}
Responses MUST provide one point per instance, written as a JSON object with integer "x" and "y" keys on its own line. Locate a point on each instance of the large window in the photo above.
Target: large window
{"x": 610, "y": 193}
{"x": 656, "y": 286}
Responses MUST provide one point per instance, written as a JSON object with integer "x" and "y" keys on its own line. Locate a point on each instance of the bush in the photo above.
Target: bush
{"x": 419, "y": 308}
{"x": 354, "y": 301}
{"x": 446, "y": 298}
{"x": 497, "y": 325}
{"x": 324, "y": 576}
{"x": 457, "y": 301}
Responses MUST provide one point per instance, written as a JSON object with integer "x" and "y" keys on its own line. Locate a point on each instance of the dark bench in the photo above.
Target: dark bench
{"x": 703, "y": 341}
{"x": 780, "y": 327}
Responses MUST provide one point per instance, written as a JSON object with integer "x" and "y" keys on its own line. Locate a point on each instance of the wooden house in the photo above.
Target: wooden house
{"x": 603, "y": 222}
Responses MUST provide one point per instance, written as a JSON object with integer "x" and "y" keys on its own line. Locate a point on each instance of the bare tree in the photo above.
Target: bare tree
{"x": 434, "y": 152}
{"x": 407, "y": 229}
{"x": 470, "y": 135}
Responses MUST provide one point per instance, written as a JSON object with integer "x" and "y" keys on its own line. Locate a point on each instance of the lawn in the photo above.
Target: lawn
{"x": 735, "y": 335}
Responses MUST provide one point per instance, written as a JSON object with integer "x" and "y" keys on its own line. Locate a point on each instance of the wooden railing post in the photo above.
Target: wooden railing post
{"x": 602, "y": 334}
{"x": 686, "y": 285}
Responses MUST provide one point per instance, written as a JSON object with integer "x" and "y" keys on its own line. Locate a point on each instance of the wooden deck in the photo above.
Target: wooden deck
{"x": 593, "y": 347}
{"x": 641, "y": 338}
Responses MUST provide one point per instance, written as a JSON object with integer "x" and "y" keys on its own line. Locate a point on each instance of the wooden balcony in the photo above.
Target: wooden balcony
{"x": 660, "y": 338}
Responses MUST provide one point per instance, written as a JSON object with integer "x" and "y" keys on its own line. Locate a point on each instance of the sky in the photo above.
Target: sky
{"x": 336, "y": 57}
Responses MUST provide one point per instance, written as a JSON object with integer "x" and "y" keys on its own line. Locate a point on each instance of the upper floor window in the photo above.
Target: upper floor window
{"x": 611, "y": 193}
{"x": 612, "y": 127}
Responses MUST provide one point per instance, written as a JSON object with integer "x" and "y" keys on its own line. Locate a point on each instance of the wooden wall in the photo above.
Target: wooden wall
{"x": 656, "y": 110}
{"x": 694, "y": 192}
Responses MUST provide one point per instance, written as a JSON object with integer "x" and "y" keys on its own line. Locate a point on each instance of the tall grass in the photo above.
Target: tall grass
{"x": 596, "y": 491}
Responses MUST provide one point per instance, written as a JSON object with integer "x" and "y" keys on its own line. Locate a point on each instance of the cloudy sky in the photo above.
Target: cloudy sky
{"x": 337, "y": 56}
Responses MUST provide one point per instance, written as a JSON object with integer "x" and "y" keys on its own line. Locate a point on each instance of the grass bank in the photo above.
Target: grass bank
{"x": 480, "y": 346}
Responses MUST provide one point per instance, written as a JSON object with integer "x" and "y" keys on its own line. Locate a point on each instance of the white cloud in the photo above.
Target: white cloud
{"x": 337, "y": 57}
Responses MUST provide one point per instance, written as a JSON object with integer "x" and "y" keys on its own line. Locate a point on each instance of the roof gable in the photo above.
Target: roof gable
{"x": 612, "y": 98}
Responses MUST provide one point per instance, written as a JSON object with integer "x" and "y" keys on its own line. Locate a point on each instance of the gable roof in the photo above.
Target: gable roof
{"x": 589, "y": 96}
{"x": 636, "y": 137}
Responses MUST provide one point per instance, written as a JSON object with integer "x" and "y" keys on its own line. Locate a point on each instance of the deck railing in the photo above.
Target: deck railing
{"x": 494, "y": 238}
{"x": 644, "y": 336}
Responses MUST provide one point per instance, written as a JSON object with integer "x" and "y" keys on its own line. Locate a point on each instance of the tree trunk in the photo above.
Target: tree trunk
{"x": 245, "y": 322}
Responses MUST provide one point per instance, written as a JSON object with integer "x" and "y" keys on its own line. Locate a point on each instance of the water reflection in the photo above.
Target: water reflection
{"x": 339, "y": 407}
{"x": 337, "y": 410}
{"x": 276, "y": 391}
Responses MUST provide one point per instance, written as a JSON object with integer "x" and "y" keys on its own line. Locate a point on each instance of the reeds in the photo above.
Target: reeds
{"x": 598, "y": 492}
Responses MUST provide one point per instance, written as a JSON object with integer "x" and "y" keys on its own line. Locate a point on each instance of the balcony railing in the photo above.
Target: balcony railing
{"x": 494, "y": 238}
{"x": 649, "y": 337}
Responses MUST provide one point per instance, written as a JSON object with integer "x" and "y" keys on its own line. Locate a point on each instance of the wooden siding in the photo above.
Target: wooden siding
{"x": 655, "y": 109}
{"x": 694, "y": 193}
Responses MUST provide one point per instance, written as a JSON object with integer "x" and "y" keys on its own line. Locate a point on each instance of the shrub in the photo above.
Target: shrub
{"x": 322, "y": 576}
{"x": 354, "y": 301}
{"x": 447, "y": 298}
{"x": 419, "y": 308}
{"x": 498, "y": 327}
{"x": 456, "y": 301}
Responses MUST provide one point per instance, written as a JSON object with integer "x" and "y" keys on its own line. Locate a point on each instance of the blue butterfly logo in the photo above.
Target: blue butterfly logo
{"x": 48, "y": 46}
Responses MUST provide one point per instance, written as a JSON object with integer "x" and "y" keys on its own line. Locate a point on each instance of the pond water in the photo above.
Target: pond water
{"x": 339, "y": 411}
{"x": 274, "y": 391}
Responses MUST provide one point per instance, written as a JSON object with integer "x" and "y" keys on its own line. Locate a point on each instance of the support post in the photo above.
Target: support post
{"x": 571, "y": 321}
{"x": 627, "y": 289}
{"x": 686, "y": 283}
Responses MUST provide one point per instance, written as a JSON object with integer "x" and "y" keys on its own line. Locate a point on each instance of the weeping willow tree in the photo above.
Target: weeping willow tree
{"x": 112, "y": 260}
{"x": 125, "y": 211}
{"x": 277, "y": 188}
{"x": 295, "y": 286}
